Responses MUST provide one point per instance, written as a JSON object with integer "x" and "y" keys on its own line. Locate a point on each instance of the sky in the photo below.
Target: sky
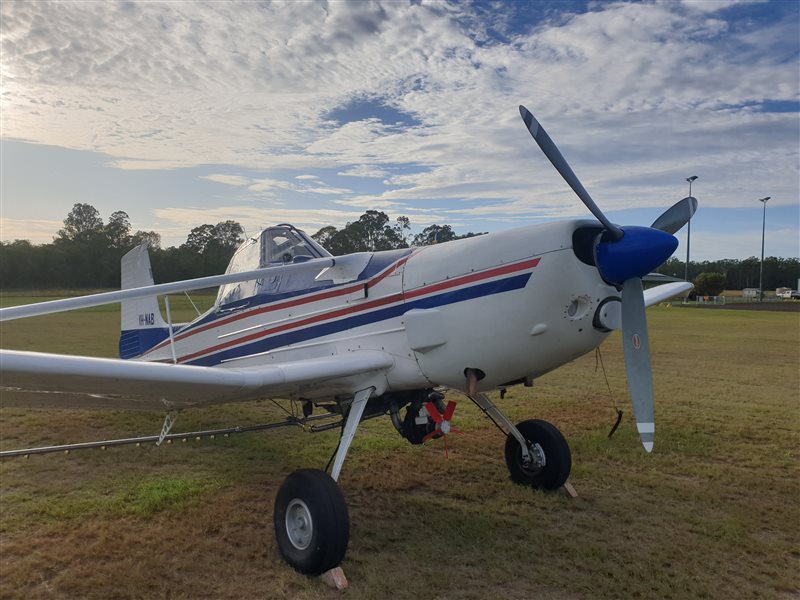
{"x": 183, "y": 113}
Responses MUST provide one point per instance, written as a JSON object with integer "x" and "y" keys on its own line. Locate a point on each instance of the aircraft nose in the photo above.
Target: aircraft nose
{"x": 639, "y": 251}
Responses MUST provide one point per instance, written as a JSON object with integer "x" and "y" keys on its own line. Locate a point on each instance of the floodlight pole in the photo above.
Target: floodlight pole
{"x": 688, "y": 232}
{"x": 761, "y": 268}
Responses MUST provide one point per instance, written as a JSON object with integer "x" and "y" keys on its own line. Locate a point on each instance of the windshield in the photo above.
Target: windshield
{"x": 286, "y": 246}
{"x": 247, "y": 258}
{"x": 272, "y": 247}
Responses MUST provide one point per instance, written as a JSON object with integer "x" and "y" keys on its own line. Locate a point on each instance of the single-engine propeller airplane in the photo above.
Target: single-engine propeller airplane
{"x": 376, "y": 333}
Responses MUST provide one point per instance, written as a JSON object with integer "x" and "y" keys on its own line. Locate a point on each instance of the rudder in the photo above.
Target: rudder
{"x": 142, "y": 326}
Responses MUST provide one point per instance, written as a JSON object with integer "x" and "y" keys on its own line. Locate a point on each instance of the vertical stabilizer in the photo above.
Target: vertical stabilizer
{"x": 142, "y": 326}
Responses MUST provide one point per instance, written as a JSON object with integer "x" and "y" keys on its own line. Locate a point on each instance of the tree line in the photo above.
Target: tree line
{"x": 86, "y": 252}
{"x": 373, "y": 232}
{"x": 733, "y": 274}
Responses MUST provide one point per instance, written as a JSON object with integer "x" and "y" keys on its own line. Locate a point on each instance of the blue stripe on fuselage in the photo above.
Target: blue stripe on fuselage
{"x": 315, "y": 331}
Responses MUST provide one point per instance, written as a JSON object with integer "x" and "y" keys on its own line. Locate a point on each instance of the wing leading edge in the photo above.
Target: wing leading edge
{"x": 52, "y": 380}
{"x": 663, "y": 292}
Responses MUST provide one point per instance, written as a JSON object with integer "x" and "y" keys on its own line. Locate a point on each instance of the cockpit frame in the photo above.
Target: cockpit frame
{"x": 271, "y": 247}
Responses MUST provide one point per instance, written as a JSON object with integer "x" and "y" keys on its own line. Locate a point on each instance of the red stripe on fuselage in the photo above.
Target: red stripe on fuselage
{"x": 528, "y": 264}
{"x": 339, "y": 312}
{"x": 313, "y": 297}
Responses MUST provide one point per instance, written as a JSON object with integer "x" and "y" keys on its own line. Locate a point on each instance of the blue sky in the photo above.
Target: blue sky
{"x": 311, "y": 113}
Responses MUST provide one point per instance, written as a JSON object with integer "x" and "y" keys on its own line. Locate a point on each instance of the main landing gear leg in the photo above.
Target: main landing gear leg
{"x": 536, "y": 452}
{"x": 312, "y": 525}
{"x": 353, "y": 419}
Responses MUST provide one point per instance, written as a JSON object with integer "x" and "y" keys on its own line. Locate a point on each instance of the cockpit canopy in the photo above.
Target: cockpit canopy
{"x": 274, "y": 246}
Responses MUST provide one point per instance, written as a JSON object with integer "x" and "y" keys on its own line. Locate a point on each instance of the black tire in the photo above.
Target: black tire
{"x": 558, "y": 459}
{"x": 312, "y": 526}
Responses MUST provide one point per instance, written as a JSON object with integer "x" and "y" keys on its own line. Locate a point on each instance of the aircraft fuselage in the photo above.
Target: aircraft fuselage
{"x": 511, "y": 306}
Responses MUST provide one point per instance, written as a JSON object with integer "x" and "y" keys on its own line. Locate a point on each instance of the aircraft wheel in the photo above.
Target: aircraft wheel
{"x": 312, "y": 526}
{"x": 546, "y": 442}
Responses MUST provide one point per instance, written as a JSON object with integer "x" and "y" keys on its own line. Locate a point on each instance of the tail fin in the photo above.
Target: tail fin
{"x": 142, "y": 326}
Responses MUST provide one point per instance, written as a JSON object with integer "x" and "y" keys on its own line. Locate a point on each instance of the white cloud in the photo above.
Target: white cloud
{"x": 328, "y": 191}
{"x": 705, "y": 6}
{"x": 637, "y": 95}
{"x": 236, "y": 180}
{"x": 37, "y": 231}
{"x": 179, "y": 220}
{"x": 267, "y": 184}
{"x": 365, "y": 171}
{"x": 370, "y": 203}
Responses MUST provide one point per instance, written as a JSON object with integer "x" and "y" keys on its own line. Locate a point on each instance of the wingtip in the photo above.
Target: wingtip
{"x": 648, "y": 446}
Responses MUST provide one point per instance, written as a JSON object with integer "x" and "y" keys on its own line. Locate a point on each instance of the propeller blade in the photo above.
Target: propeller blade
{"x": 432, "y": 435}
{"x": 434, "y": 412}
{"x": 449, "y": 410}
{"x": 676, "y": 216}
{"x": 636, "y": 347}
{"x": 552, "y": 152}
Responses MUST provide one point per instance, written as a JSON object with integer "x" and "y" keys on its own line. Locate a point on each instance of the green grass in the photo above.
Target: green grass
{"x": 711, "y": 513}
{"x": 89, "y": 331}
{"x": 118, "y": 497}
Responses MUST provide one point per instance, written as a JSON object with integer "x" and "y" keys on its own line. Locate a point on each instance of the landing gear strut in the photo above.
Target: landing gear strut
{"x": 536, "y": 452}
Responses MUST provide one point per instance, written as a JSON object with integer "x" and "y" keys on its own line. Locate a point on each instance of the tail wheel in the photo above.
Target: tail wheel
{"x": 312, "y": 526}
{"x": 552, "y": 459}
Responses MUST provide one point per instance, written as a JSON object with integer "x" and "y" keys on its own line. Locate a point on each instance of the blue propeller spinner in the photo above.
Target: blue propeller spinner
{"x": 623, "y": 256}
{"x": 635, "y": 254}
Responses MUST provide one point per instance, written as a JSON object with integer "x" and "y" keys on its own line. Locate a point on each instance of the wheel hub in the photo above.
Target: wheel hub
{"x": 537, "y": 461}
{"x": 299, "y": 525}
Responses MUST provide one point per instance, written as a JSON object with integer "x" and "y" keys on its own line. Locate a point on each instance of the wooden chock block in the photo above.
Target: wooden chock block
{"x": 335, "y": 578}
{"x": 569, "y": 490}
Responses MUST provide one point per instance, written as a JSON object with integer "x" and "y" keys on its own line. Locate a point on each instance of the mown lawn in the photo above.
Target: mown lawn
{"x": 712, "y": 513}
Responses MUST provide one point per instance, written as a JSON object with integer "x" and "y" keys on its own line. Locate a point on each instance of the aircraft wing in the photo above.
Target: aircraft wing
{"x": 663, "y": 292}
{"x": 52, "y": 380}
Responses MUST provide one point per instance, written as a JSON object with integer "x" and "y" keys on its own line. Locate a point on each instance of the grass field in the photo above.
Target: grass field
{"x": 712, "y": 513}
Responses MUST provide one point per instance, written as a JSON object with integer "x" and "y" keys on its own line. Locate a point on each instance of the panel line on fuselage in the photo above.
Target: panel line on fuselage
{"x": 306, "y": 328}
{"x": 266, "y": 304}
{"x": 295, "y": 347}
{"x": 269, "y": 340}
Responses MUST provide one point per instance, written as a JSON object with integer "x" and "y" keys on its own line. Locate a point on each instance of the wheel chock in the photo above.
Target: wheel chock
{"x": 334, "y": 578}
{"x": 569, "y": 491}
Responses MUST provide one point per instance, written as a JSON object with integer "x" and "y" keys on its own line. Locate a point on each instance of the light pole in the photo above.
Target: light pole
{"x": 688, "y": 231}
{"x": 761, "y": 268}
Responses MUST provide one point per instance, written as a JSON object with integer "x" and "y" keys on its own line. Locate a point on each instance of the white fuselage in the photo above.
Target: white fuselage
{"x": 512, "y": 305}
